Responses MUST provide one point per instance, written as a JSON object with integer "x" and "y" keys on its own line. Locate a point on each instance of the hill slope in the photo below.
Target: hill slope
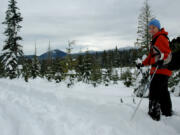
{"x": 46, "y": 108}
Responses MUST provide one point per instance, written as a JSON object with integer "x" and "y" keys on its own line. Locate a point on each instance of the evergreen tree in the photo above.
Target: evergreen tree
{"x": 104, "y": 59}
{"x": 87, "y": 67}
{"x": 127, "y": 78}
{"x": 115, "y": 76}
{"x": 49, "y": 54}
{"x": 43, "y": 68}
{"x": 49, "y": 73}
{"x": 107, "y": 72}
{"x": 69, "y": 60}
{"x": 174, "y": 81}
{"x": 26, "y": 70}
{"x": 144, "y": 38}
{"x": 2, "y": 72}
{"x": 143, "y": 42}
{"x": 109, "y": 67}
{"x": 35, "y": 64}
{"x": 12, "y": 50}
{"x": 96, "y": 72}
{"x": 70, "y": 63}
{"x": 58, "y": 70}
{"x": 80, "y": 66}
{"x": 116, "y": 61}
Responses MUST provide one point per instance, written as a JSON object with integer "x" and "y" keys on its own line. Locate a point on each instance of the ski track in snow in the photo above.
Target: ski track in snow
{"x": 47, "y": 108}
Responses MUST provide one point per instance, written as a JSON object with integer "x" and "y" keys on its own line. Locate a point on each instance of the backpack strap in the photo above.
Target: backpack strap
{"x": 154, "y": 40}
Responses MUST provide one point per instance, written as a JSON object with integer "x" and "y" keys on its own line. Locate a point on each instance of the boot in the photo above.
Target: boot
{"x": 154, "y": 110}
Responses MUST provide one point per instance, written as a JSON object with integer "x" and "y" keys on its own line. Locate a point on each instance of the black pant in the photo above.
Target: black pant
{"x": 159, "y": 97}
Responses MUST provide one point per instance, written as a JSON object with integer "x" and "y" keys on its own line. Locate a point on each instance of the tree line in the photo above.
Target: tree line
{"x": 101, "y": 67}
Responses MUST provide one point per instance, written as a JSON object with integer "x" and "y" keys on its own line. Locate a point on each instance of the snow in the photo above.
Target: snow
{"x": 40, "y": 107}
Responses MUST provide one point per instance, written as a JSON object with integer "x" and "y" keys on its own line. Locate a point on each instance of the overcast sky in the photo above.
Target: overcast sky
{"x": 94, "y": 24}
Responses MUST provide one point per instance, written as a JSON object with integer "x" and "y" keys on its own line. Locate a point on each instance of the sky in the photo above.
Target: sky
{"x": 93, "y": 24}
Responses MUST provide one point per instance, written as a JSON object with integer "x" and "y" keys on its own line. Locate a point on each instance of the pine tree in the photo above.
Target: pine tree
{"x": 70, "y": 63}
{"x": 26, "y": 70}
{"x": 58, "y": 70}
{"x": 49, "y": 54}
{"x": 115, "y": 76}
{"x": 104, "y": 59}
{"x": 107, "y": 72}
{"x": 87, "y": 67}
{"x": 35, "y": 64}
{"x": 69, "y": 60}
{"x": 96, "y": 72}
{"x": 80, "y": 66}
{"x": 2, "y": 72}
{"x": 127, "y": 78}
{"x": 110, "y": 64}
{"x": 12, "y": 50}
{"x": 43, "y": 68}
{"x": 143, "y": 41}
{"x": 174, "y": 81}
{"x": 144, "y": 38}
{"x": 49, "y": 72}
{"x": 116, "y": 61}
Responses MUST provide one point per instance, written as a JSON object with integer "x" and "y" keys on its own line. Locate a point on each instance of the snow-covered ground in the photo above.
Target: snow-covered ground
{"x": 47, "y": 108}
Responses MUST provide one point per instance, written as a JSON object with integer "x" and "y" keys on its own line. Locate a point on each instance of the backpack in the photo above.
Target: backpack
{"x": 174, "y": 63}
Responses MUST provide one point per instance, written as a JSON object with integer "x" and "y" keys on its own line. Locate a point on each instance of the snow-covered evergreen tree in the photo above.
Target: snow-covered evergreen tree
{"x": 2, "y": 72}
{"x": 69, "y": 61}
{"x": 174, "y": 83}
{"x": 127, "y": 77}
{"x": 12, "y": 50}
{"x": 115, "y": 76}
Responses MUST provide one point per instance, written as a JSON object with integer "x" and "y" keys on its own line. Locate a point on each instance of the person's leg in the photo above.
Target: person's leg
{"x": 165, "y": 99}
{"x": 154, "y": 99}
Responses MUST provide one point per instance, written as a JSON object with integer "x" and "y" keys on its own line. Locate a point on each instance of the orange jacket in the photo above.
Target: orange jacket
{"x": 162, "y": 44}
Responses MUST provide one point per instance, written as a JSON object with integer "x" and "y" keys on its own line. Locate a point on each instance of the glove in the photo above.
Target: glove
{"x": 139, "y": 65}
{"x": 160, "y": 63}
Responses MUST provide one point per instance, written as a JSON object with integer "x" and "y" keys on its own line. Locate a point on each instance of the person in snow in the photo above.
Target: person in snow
{"x": 159, "y": 55}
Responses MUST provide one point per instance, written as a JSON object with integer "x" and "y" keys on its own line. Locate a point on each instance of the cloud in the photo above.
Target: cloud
{"x": 94, "y": 24}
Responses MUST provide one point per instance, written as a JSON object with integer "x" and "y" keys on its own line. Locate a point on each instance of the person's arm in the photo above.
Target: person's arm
{"x": 146, "y": 62}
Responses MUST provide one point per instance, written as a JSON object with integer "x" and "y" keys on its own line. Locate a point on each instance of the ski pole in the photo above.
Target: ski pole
{"x": 148, "y": 85}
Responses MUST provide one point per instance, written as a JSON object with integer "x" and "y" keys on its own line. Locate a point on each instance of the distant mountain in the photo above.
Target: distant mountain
{"x": 126, "y": 48}
{"x": 54, "y": 53}
{"x": 60, "y": 54}
{"x": 29, "y": 56}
